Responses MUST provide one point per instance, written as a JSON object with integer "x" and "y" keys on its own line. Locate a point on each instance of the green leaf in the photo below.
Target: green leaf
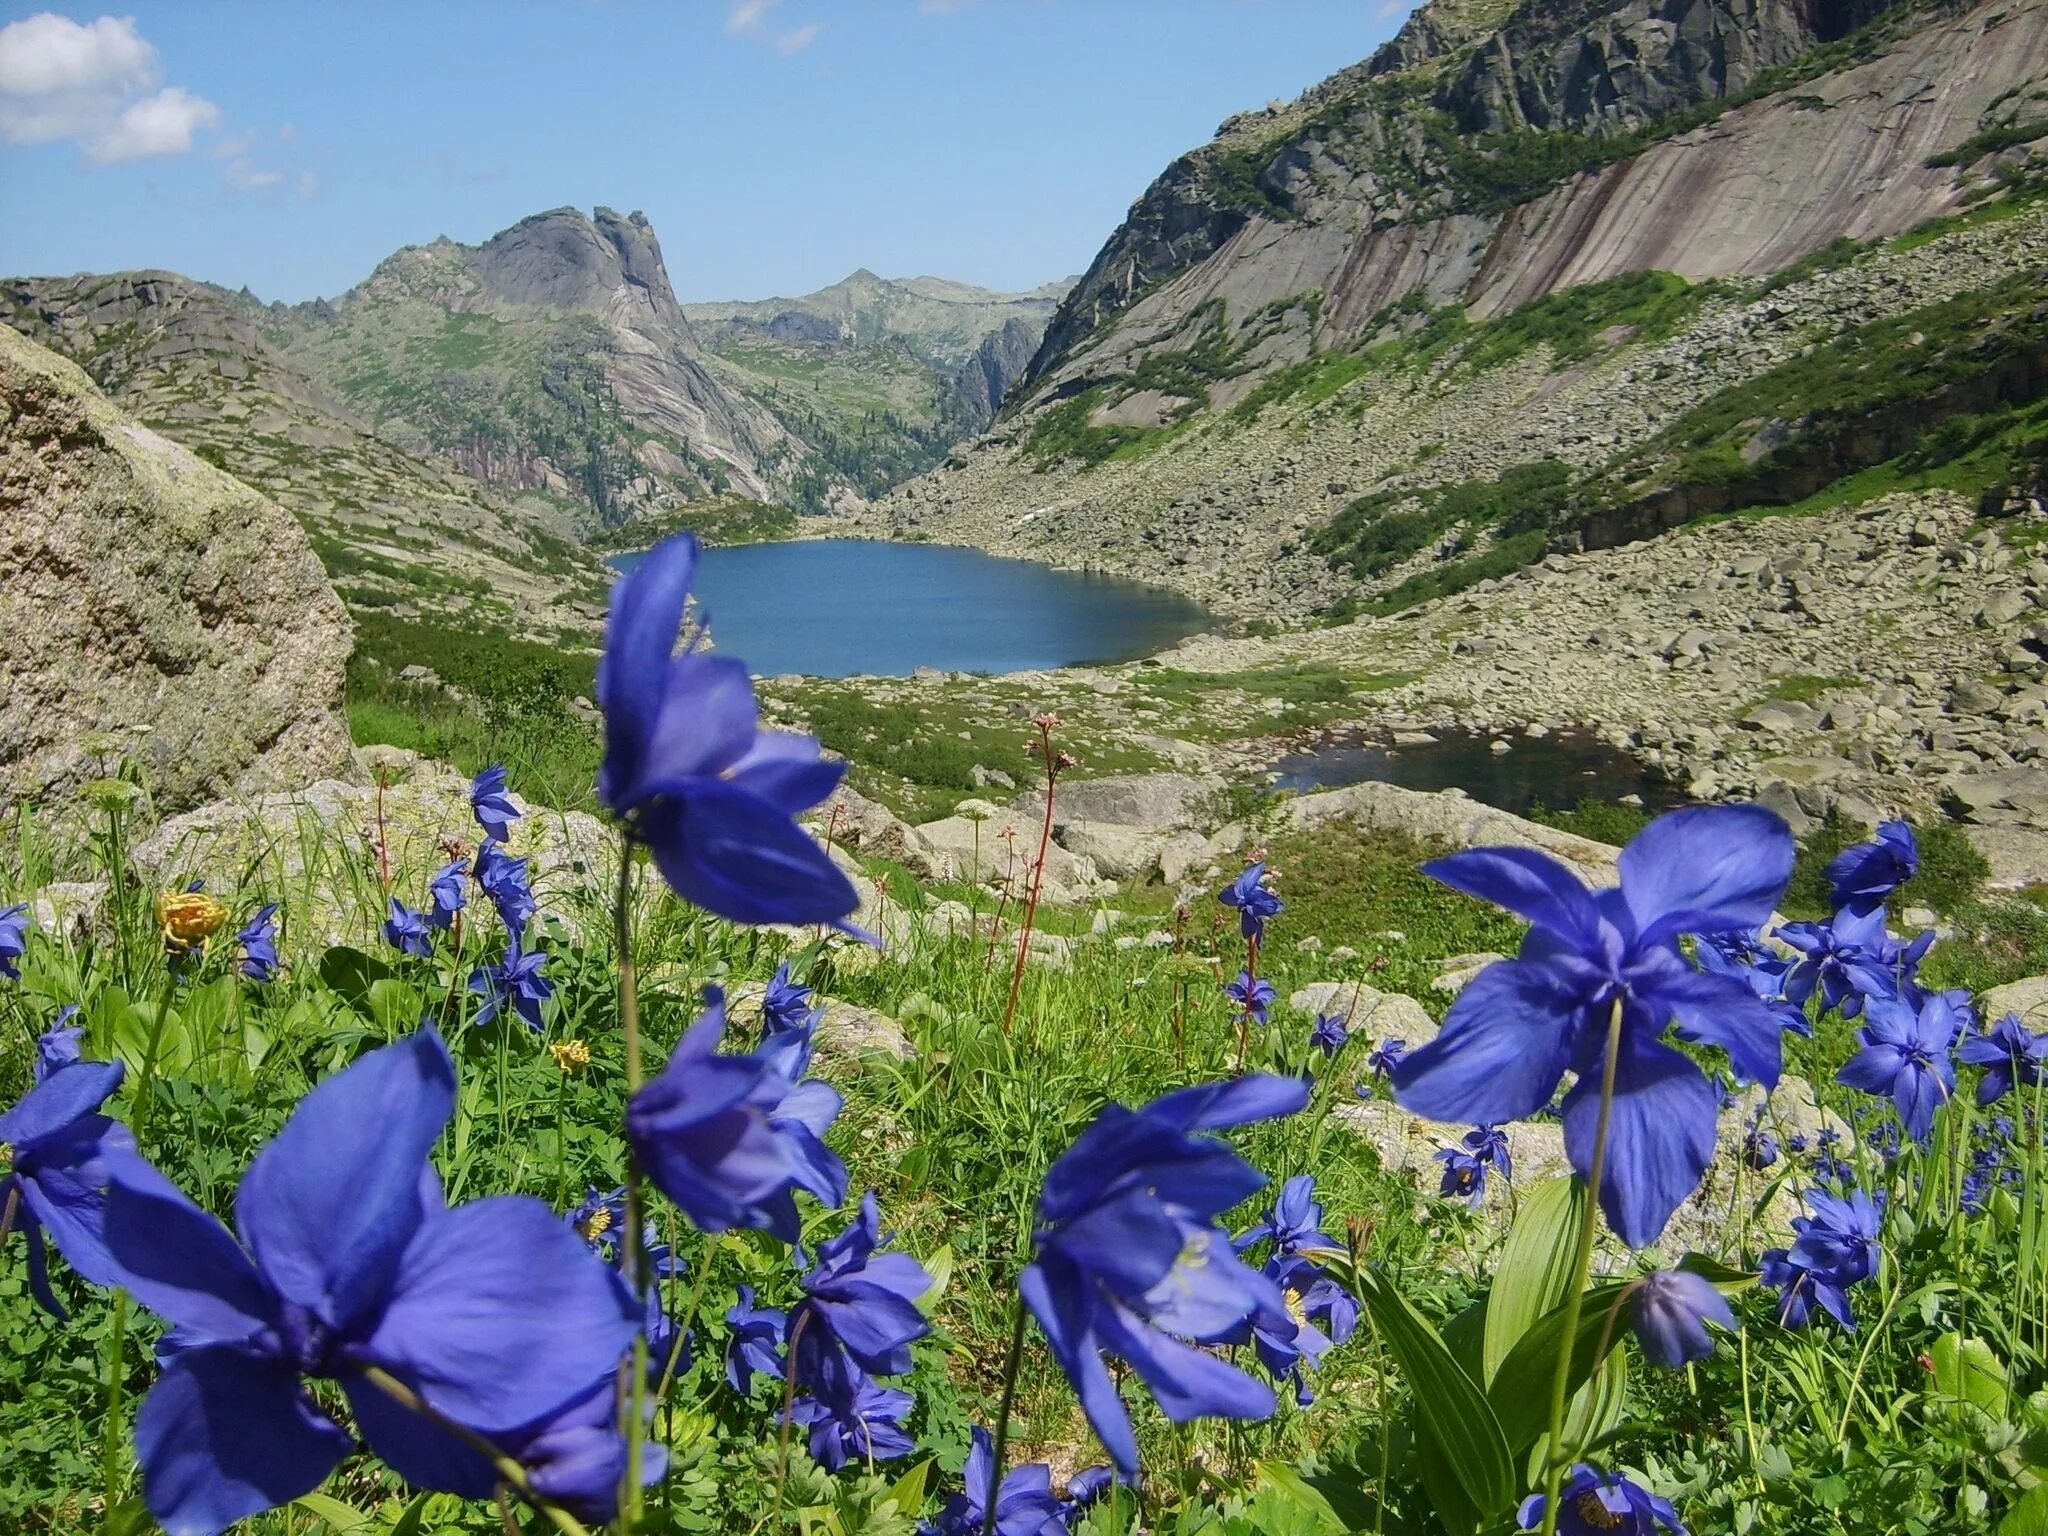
{"x": 907, "y": 1492}
{"x": 1450, "y": 1408}
{"x": 350, "y": 973}
{"x": 1278, "y": 1478}
{"x": 2029, "y": 1517}
{"x": 414, "y": 1519}
{"x": 342, "y": 1519}
{"x": 1535, "y": 1269}
{"x": 1969, "y": 1371}
{"x": 940, "y": 1267}
{"x": 1521, "y": 1393}
{"x": 1728, "y": 1281}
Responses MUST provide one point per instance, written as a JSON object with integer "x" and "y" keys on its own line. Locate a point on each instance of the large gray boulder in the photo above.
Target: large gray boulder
{"x": 1150, "y": 802}
{"x": 151, "y": 606}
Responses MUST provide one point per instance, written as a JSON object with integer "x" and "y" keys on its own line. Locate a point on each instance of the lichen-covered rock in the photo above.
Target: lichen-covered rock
{"x": 317, "y": 849}
{"x": 152, "y": 607}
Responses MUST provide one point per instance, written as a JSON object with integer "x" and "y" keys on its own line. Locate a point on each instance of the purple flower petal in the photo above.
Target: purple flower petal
{"x": 1660, "y": 1140}
{"x": 1706, "y": 869}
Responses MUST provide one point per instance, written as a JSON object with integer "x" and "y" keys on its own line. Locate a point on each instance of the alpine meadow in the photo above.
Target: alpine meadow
{"x": 1376, "y": 862}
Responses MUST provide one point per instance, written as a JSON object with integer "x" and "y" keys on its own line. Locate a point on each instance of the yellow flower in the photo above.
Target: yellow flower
{"x": 189, "y": 918}
{"x": 571, "y": 1056}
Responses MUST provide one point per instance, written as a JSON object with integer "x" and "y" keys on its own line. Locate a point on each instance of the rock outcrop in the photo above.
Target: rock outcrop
{"x": 153, "y": 608}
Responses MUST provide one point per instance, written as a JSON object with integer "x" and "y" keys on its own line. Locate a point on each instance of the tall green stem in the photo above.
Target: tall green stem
{"x": 631, "y": 1246}
{"x": 1011, "y": 1363}
{"x": 1556, "y": 1457}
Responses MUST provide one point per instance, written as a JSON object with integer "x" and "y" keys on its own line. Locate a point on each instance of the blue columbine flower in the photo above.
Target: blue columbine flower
{"x": 1464, "y": 1176}
{"x": 2009, "y": 1053}
{"x": 504, "y": 880}
{"x": 1864, "y": 877}
{"x": 54, "y": 1150}
{"x": 1386, "y": 1056}
{"x": 1835, "y": 960}
{"x": 257, "y": 944}
{"x": 1025, "y": 1504}
{"x": 407, "y": 932}
{"x": 1800, "y": 1287}
{"x": 1729, "y": 955}
{"x": 1905, "y": 1056}
{"x": 516, "y": 980}
{"x": 860, "y": 1302}
{"x": 1085, "y": 1489}
{"x": 1295, "y": 1222}
{"x": 1253, "y": 995}
{"x": 690, "y": 772}
{"x": 61, "y": 1044}
{"x": 575, "y": 1458}
{"x": 448, "y": 892}
{"x": 787, "y": 1005}
{"x": 1594, "y": 1503}
{"x": 1670, "y": 1309}
{"x": 1286, "y": 1341}
{"x": 1129, "y": 1260}
{"x": 1328, "y": 1033}
{"x": 1254, "y": 900}
{"x": 491, "y": 805}
{"x": 1841, "y": 1234}
{"x": 1520, "y": 1024}
{"x": 758, "y": 1336}
{"x": 854, "y": 1417}
{"x": 731, "y": 1138}
{"x": 13, "y": 939}
{"x": 493, "y": 1312}
{"x": 1759, "y": 1149}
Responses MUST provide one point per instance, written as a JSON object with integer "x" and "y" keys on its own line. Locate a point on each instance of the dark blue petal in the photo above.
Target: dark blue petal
{"x": 1502, "y": 1051}
{"x": 1660, "y": 1141}
{"x": 1188, "y": 1383}
{"x": 1530, "y": 884}
{"x": 416, "y": 1448}
{"x": 65, "y": 1096}
{"x": 329, "y": 1204}
{"x": 734, "y": 854}
{"x": 500, "y": 1314}
{"x": 1232, "y": 1102}
{"x": 180, "y": 1262}
{"x": 223, "y": 1436}
{"x": 632, "y": 674}
{"x": 1058, "y": 1298}
{"x": 1715, "y": 1010}
{"x": 1706, "y": 869}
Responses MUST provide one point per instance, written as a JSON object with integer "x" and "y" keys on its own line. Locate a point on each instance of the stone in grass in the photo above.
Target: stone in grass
{"x": 846, "y": 1030}
{"x": 1370, "y": 1013}
{"x": 1459, "y": 970}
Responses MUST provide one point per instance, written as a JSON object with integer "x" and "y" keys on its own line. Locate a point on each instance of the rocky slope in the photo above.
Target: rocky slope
{"x": 1592, "y": 234}
{"x": 155, "y": 609}
{"x": 879, "y": 377}
{"x": 551, "y": 358}
{"x": 409, "y": 535}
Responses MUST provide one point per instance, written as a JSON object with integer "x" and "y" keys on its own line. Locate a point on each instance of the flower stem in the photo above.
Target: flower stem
{"x": 1555, "y": 1457}
{"x": 1011, "y": 1363}
{"x": 509, "y": 1470}
{"x": 1052, "y": 773}
{"x": 631, "y": 1248}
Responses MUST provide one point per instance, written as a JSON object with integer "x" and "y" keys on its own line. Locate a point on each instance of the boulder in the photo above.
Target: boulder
{"x": 984, "y": 851}
{"x": 1449, "y": 817}
{"x": 317, "y": 848}
{"x": 152, "y": 607}
{"x": 1120, "y": 853}
{"x": 2027, "y": 998}
{"x": 1459, "y": 970}
{"x": 845, "y": 1029}
{"x": 1370, "y": 1014}
{"x": 873, "y": 831}
{"x": 1150, "y": 802}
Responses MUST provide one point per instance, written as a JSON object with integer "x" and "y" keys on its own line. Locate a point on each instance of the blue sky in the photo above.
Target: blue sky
{"x": 775, "y": 144}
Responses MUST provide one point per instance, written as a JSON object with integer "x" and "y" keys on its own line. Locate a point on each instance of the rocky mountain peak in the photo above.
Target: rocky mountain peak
{"x": 567, "y": 261}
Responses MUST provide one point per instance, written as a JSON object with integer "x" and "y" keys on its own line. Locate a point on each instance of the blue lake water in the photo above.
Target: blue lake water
{"x": 836, "y": 607}
{"x": 1557, "y": 771}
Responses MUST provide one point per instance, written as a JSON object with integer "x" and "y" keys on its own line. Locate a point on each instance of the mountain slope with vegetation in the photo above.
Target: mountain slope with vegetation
{"x": 1692, "y": 257}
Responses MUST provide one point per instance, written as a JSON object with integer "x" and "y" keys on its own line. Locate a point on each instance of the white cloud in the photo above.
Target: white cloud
{"x": 244, "y": 177}
{"x": 96, "y": 85}
{"x": 749, "y": 19}
{"x": 50, "y": 55}
{"x": 162, "y": 124}
{"x": 746, "y": 16}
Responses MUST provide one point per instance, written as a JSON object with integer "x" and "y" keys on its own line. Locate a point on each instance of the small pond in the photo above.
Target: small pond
{"x": 836, "y": 607}
{"x": 1557, "y": 771}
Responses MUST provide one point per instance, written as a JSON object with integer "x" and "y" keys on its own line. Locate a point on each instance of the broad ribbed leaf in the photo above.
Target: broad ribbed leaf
{"x": 1450, "y": 1408}
{"x": 1535, "y": 1269}
{"x": 1521, "y": 1392}
{"x": 2029, "y": 1517}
